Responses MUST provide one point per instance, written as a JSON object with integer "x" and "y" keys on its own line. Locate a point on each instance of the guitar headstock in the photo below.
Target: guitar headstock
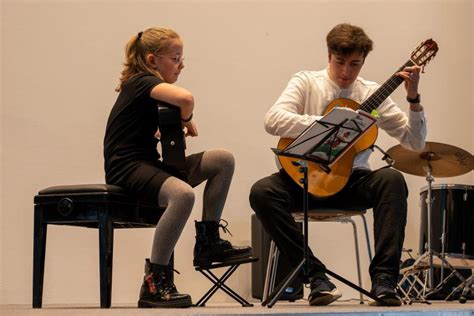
{"x": 422, "y": 55}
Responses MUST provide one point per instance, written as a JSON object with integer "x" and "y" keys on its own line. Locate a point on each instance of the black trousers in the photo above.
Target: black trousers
{"x": 274, "y": 198}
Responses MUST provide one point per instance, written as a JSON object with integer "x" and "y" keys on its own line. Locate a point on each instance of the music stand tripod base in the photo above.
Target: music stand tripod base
{"x": 304, "y": 263}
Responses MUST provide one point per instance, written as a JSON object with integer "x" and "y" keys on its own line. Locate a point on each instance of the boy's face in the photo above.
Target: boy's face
{"x": 343, "y": 70}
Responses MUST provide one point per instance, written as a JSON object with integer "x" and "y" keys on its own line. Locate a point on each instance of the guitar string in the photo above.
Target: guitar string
{"x": 384, "y": 91}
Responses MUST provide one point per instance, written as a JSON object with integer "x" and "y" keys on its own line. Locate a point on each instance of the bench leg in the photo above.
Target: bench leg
{"x": 39, "y": 252}
{"x": 106, "y": 244}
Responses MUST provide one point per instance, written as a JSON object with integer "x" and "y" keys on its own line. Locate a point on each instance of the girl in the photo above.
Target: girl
{"x": 154, "y": 60}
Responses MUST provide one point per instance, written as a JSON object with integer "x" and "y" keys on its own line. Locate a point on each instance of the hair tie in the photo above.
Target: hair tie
{"x": 139, "y": 35}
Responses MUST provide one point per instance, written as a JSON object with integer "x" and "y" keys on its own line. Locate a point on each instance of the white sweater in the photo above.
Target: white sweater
{"x": 309, "y": 92}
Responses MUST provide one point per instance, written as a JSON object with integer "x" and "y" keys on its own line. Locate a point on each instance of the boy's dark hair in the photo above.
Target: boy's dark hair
{"x": 345, "y": 39}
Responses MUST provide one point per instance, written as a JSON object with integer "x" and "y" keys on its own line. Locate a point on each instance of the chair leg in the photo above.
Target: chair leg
{"x": 39, "y": 253}
{"x": 106, "y": 243}
{"x": 356, "y": 242}
{"x": 367, "y": 238}
{"x": 272, "y": 266}
{"x": 274, "y": 269}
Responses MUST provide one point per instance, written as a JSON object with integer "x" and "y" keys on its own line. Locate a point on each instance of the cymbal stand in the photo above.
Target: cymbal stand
{"x": 444, "y": 280}
{"x": 430, "y": 252}
{"x": 429, "y": 204}
{"x": 412, "y": 275}
{"x": 419, "y": 265}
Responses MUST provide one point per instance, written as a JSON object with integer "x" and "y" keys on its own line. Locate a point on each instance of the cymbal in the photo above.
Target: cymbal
{"x": 444, "y": 160}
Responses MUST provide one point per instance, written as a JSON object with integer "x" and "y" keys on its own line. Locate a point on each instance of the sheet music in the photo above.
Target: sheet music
{"x": 325, "y": 140}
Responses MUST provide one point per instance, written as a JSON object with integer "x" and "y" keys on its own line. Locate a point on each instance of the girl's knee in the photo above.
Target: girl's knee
{"x": 186, "y": 196}
{"x": 176, "y": 192}
{"x": 225, "y": 159}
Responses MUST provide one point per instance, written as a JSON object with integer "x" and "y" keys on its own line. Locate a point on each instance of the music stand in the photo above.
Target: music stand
{"x": 326, "y": 131}
{"x": 327, "y": 139}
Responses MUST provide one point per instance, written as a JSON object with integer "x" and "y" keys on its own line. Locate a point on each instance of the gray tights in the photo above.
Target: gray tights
{"x": 217, "y": 167}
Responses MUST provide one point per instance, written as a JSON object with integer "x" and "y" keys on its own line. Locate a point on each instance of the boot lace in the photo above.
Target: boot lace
{"x": 170, "y": 287}
{"x": 224, "y": 226}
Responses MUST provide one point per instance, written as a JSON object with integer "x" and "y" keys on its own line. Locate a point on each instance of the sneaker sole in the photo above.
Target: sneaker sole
{"x": 325, "y": 298}
{"x": 388, "y": 301}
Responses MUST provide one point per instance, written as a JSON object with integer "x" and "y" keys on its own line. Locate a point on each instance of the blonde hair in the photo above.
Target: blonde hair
{"x": 154, "y": 40}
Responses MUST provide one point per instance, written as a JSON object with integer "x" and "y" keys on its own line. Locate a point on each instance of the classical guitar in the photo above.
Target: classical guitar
{"x": 324, "y": 182}
{"x": 173, "y": 142}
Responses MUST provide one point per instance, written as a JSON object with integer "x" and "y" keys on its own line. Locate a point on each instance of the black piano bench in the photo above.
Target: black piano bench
{"x": 101, "y": 206}
{"x": 219, "y": 282}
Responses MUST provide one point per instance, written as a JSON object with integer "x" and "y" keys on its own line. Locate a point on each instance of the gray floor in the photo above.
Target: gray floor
{"x": 299, "y": 308}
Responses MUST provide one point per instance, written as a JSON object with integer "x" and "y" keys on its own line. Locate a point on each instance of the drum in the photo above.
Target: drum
{"x": 452, "y": 212}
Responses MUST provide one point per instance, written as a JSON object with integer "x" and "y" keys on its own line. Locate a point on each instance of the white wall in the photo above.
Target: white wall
{"x": 61, "y": 61}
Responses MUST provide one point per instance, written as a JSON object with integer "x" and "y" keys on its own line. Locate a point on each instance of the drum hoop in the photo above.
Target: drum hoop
{"x": 466, "y": 187}
{"x": 458, "y": 256}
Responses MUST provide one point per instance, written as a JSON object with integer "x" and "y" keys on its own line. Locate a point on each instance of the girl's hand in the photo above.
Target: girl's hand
{"x": 190, "y": 129}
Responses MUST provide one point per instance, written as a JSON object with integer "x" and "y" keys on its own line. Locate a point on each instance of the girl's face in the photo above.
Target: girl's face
{"x": 170, "y": 63}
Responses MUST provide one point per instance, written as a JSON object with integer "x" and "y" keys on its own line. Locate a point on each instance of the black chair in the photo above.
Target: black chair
{"x": 101, "y": 206}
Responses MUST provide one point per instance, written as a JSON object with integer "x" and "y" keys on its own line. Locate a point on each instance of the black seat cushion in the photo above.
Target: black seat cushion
{"x": 84, "y": 204}
{"x": 82, "y": 188}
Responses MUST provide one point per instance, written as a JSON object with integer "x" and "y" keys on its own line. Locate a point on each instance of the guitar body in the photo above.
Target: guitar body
{"x": 320, "y": 183}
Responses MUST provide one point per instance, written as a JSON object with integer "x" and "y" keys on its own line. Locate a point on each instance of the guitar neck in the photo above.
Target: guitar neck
{"x": 384, "y": 91}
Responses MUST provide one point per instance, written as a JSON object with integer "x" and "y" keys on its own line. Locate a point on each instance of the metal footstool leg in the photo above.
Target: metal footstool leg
{"x": 219, "y": 283}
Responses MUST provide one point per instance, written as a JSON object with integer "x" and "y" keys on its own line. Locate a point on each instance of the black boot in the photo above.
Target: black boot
{"x": 158, "y": 289}
{"x": 211, "y": 248}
